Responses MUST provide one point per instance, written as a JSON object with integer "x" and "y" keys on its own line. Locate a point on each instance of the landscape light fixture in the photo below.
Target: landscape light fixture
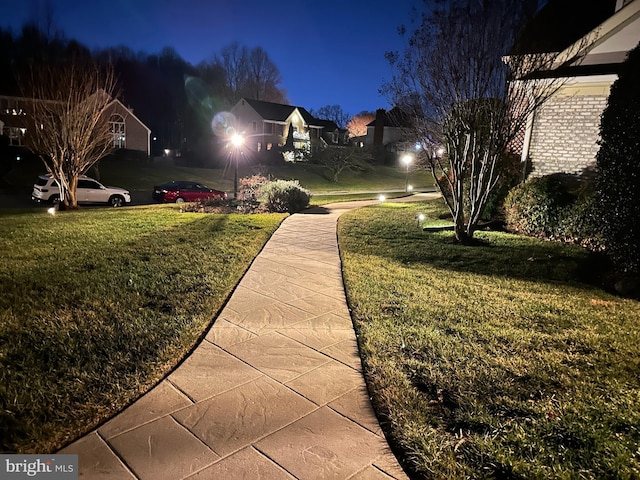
{"x": 236, "y": 140}
{"x": 407, "y": 159}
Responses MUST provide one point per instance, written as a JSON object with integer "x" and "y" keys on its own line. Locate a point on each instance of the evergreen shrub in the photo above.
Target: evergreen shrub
{"x": 618, "y": 170}
{"x": 285, "y": 196}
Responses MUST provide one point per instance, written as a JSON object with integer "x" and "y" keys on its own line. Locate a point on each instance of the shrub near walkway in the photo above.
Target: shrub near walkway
{"x": 492, "y": 361}
{"x": 98, "y": 304}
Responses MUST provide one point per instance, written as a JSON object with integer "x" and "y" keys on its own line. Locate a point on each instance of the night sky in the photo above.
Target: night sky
{"x": 328, "y": 52}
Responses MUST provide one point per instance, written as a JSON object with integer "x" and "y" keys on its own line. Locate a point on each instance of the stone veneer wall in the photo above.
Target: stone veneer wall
{"x": 565, "y": 134}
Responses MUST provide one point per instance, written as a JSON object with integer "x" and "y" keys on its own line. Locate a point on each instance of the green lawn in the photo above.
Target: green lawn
{"x": 98, "y": 304}
{"x": 494, "y": 361}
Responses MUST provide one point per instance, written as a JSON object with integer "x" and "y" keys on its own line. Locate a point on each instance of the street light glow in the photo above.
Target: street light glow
{"x": 237, "y": 140}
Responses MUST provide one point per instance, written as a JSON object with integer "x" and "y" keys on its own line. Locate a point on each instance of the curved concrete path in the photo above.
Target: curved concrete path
{"x": 275, "y": 390}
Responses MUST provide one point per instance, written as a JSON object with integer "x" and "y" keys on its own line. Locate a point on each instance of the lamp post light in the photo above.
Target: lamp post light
{"x": 236, "y": 140}
{"x": 407, "y": 159}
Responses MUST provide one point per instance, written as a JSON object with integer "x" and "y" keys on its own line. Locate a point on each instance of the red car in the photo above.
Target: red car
{"x": 181, "y": 191}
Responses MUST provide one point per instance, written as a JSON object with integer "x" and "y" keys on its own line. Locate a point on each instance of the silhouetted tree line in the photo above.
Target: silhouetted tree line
{"x": 175, "y": 99}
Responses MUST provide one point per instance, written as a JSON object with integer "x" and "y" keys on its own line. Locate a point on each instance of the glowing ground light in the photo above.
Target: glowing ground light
{"x": 51, "y": 210}
{"x": 382, "y": 198}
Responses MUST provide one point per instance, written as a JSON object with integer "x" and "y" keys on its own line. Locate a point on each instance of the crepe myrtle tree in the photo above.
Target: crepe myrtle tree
{"x": 68, "y": 110}
{"x": 469, "y": 94}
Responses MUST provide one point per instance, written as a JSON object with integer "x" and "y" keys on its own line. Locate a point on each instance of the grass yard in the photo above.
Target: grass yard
{"x": 494, "y": 361}
{"x": 98, "y": 304}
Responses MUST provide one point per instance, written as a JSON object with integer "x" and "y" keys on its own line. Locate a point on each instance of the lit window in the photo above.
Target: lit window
{"x": 259, "y": 146}
{"x": 116, "y": 127}
{"x": 269, "y": 146}
{"x": 15, "y": 135}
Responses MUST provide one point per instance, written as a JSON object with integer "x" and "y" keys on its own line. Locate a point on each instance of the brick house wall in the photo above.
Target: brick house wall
{"x": 566, "y": 130}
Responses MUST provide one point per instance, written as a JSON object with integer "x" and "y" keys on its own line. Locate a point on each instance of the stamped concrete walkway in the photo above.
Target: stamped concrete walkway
{"x": 275, "y": 391}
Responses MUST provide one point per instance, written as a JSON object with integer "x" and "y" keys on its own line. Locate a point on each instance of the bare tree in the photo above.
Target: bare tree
{"x": 264, "y": 77}
{"x": 233, "y": 60}
{"x": 357, "y": 126}
{"x": 467, "y": 97}
{"x": 250, "y": 74}
{"x": 68, "y": 108}
{"x": 333, "y": 113}
{"x": 340, "y": 159}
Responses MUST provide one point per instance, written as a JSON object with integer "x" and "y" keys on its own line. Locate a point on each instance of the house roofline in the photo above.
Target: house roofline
{"x": 612, "y": 25}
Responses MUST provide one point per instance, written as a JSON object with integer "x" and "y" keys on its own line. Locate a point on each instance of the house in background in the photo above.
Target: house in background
{"x": 267, "y": 126}
{"x": 128, "y": 131}
{"x": 332, "y": 135}
{"x": 563, "y": 135}
{"x": 389, "y": 130}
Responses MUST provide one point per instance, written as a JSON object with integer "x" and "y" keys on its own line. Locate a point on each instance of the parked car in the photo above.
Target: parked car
{"x": 89, "y": 191}
{"x": 180, "y": 191}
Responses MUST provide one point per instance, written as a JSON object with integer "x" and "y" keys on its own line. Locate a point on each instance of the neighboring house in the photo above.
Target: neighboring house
{"x": 332, "y": 134}
{"x": 128, "y": 130}
{"x": 563, "y": 135}
{"x": 389, "y": 130}
{"x": 267, "y": 126}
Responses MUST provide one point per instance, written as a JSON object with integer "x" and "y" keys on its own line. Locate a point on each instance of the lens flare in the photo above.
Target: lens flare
{"x": 224, "y": 124}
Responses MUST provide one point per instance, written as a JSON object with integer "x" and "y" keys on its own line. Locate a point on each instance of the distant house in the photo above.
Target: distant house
{"x": 332, "y": 134}
{"x": 267, "y": 126}
{"x": 563, "y": 135}
{"x": 390, "y": 130}
{"x": 128, "y": 130}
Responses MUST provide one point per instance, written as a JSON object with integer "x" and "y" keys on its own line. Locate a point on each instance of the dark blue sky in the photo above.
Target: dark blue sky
{"x": 328, "y": 52}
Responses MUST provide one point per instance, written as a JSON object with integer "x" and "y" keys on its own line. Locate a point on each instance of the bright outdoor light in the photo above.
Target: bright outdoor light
{"x": 409, "y": 188}
{"x": 381, "y": 198}
{"x": 237, "y": 140}
{"x": 420, "y": 218}
{"x": 440, "y": 151}
{"x": 51, "y": 210}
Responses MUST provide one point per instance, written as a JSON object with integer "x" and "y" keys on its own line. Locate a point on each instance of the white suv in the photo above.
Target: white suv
{"x": 89, "y": 191}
